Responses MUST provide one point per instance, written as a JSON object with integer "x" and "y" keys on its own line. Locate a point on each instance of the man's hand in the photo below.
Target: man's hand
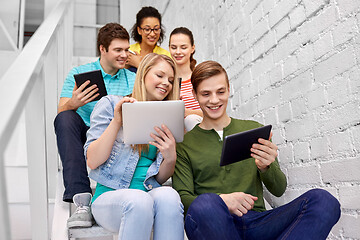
{"x": 264, "y": 153}
{"x": 80, "y": 97}
{"x": 239, "y": 203}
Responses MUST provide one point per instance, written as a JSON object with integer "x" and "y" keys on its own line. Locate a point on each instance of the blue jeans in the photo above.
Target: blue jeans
{"x": 133, "y": 213}
{"x": 70, "y": 132}
{"x": 310, "y": 216}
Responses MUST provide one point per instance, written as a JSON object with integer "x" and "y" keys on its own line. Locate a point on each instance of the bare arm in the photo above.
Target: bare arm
{"x": 189, "y": 111}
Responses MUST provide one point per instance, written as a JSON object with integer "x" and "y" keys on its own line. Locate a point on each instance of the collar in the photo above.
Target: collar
{"x": 213, "y": 130}
{"x": 136, "y": 47}
{"x": 104, "y": 74}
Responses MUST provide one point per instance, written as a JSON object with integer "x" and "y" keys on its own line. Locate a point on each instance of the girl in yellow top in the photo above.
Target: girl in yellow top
{"x": 147, "y": 32}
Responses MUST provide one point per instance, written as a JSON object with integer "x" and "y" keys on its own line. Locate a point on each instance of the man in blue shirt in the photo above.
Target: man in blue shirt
{"x": 75, "y": 107}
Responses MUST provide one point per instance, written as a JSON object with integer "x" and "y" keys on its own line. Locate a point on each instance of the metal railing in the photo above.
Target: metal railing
{"x": 31, "y": 85}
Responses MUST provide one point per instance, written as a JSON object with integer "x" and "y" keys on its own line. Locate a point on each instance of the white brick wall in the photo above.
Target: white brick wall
{"x": 294, "y": 64}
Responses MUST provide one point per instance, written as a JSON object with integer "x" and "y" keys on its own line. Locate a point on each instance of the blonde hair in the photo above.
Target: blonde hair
{"x": 139, "y": 90}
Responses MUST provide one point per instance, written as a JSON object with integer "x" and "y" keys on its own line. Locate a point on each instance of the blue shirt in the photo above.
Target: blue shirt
{"x": 121, "y": 83}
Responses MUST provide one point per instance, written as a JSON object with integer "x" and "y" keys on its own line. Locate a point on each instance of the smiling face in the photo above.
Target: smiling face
{"x": 115, "y": 57}
{"x": 212, "y": 95}
{"x": 181, "y": 49}
{"x": 149, "y": 38}
{"x": 159, "y": 81}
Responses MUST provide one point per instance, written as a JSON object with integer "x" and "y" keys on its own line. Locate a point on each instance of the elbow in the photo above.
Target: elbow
{"x": 281, "y": 190}
{"x": 91, "y": 164}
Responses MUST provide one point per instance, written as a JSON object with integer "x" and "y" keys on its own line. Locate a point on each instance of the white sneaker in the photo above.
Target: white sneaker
{"x": 82, "y": 217}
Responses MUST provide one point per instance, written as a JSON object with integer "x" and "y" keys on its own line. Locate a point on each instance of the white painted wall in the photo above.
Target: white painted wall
{"x": 93, "y": 14}
{"x": 9, "y": 26}
{"x": 294, "y": 64}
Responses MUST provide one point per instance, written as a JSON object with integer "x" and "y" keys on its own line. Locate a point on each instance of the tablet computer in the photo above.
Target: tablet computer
{"x": 95, "y": 77}
{"x": 140, "y": 118}
{"x": 236, "y": 147}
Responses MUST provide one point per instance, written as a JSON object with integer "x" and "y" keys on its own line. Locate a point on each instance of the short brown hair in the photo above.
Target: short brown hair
{"x": 206, "y": 70}
{"x": 110, "y": 32}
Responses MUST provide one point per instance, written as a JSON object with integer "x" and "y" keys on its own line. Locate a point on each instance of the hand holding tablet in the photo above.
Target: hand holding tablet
{"x": 95, "y": 77}
{"x": 236, "y": 147}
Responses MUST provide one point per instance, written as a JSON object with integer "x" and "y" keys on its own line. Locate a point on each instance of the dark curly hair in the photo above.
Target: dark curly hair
{"x": 109, "y": 32}
{"x": 146, "y": 12}
{"x": 187, "y": 32}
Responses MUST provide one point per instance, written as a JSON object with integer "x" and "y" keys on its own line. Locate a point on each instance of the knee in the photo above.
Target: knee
{"x": 169, "y": 200}
{"x": 326, "y": 206}
{"x": 204, "y": 205}
{"x": 64, "y": 118}
{"x": 68, "y": 121}
{"x": 167, "y": 194}
{"x": 142, "y": 203}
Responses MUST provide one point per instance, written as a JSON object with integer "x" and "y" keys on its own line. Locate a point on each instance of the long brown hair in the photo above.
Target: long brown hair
{"x": 187, "y": 32}
{"x": 139, "y": 90}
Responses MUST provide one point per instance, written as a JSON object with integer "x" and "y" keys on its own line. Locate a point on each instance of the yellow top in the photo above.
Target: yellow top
{"x": 159, "y": 50}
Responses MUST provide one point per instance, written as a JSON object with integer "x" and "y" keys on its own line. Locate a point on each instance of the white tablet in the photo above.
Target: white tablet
{"x": 140, "y": 118}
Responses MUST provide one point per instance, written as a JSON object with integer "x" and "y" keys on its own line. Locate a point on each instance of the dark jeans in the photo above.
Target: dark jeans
{"x": 310, "y": 216}
{"x": 70, "y": 132}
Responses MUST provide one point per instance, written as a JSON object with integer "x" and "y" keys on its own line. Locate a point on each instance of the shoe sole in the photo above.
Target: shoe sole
{"x": 80, "y": 224}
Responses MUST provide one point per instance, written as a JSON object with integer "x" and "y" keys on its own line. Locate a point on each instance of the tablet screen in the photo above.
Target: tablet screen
{"x": 95, "y": 77}
{"x": 236, "y": 147}
{"x": 140, "y": 118}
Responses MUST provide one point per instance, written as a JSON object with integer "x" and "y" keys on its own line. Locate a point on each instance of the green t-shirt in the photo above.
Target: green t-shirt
{"x": 137, "y": 182}
{"x": 198, "y": 170}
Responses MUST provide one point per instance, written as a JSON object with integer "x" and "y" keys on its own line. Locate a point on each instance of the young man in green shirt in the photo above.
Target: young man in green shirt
{"x": 227, "y": 202}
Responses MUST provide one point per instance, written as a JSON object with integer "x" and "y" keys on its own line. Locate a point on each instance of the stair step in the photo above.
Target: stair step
{"x": 94, "y": 231}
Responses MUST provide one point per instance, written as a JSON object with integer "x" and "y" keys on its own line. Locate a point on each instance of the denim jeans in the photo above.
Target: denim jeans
{"x": 70, "y": 132}
{"x": 310, "y": 216}
{"x": 132, "y": 213}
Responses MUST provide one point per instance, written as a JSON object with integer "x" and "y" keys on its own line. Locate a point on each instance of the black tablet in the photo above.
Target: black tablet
{"x": 236, "y": 147}
{"x": 95, "y": 77}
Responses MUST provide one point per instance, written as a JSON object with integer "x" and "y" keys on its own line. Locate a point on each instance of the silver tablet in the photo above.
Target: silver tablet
{"x": 140, "y": 118}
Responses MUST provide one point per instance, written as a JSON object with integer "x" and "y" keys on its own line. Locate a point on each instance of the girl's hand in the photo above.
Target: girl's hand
{"x": 134, "y": 59}
{"x": 264, "y": 153}
{"x": 118, "y": 109}
{"x": 165, "y": 142}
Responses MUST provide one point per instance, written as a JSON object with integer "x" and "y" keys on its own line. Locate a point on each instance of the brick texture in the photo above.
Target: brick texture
{"x": 294, "y": 64}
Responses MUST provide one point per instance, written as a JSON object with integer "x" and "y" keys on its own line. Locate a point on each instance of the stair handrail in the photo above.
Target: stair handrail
{"x": 29, "y": 86}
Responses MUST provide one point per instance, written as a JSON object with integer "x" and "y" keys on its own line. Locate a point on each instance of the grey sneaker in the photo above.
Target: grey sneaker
{"x": 82, "y": 217}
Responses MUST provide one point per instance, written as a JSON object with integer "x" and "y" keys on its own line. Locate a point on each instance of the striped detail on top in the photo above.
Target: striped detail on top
{"x": 187, "y": 96}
